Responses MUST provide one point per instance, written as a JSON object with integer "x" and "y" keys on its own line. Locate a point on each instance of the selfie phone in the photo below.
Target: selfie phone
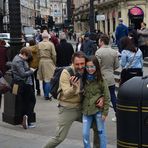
{"x": 77, "y": 76}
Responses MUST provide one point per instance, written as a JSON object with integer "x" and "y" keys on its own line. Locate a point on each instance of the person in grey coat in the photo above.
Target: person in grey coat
{"x": 23, "y": 85}
{"x": 143, "y": 39}
{"x": 108, "y": 60}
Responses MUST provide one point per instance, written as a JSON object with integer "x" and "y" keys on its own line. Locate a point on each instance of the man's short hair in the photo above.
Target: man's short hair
{"x": 78, "y": 54}
{"x": 26, "y": 51}
{"x": 105, "y": 39}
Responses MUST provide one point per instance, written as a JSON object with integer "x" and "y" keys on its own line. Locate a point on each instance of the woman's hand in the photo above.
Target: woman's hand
{"x": 104, "y": 117}
{"x": 100, "y": 102}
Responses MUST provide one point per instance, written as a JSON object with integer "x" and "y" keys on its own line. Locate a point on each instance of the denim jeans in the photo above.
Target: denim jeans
{"x": 46, "y": 88}
{"x": 87, "y": 121}
{"x": 113, "y": 96}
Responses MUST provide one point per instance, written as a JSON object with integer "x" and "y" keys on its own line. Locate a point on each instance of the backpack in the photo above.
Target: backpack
{"x": 54, "y": 83}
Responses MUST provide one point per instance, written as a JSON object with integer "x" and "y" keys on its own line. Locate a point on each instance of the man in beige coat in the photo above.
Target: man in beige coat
{"x": 47, "y": 56}
{"x": 108, "y": 59}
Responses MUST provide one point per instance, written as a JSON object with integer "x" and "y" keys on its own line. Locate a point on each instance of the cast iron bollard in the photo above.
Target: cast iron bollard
{"x": 132, "y": 114}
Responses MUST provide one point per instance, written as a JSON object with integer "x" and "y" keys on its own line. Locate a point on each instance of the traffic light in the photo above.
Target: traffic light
{"x": 50, "y": 22}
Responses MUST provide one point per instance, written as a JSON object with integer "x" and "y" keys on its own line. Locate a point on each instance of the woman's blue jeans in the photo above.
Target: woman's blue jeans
{"x": 46, "y": 88}
{"x": 87, "y": 121}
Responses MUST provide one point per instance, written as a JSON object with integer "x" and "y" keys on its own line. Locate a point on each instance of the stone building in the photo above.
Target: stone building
{"x": 107, "y": 13}
{"x": 58, "y": 10}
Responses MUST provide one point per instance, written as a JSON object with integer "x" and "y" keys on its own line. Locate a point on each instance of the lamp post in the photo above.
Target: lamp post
{"x": 1, "y": 16}
{"x": 91, "y": 16}
{"x": 15, "y": 27}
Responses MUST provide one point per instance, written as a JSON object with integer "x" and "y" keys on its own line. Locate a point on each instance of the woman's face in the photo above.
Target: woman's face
{"x": 90, "y": 67}
{"x": 80, "y": 40}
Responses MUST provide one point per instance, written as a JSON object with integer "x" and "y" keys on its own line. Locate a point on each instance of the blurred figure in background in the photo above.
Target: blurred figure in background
{"x": 47, "y": 62}
{"x": 89, "y": 47}
{"x": 121, "y": 31}
{"x": 3, "y": 56}
{"x": 34, "y": 63}
{"x": 143, "y": 39}
{"x": 64, "y": 51}
{"x": 79, "y": 44}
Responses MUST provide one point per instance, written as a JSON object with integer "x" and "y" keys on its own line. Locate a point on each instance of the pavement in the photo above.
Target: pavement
{"x": 46, "y": 115}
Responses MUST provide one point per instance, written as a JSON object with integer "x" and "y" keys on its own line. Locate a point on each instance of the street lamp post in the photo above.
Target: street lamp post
{"x": 15, "y": 27}
{"x": 1, "y": 16}
{"x": 91, "y": 16}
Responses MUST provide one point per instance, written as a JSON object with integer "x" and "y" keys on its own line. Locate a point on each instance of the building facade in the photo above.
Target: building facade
{"x": 107, "y": 13}
{"x": 58, "y": 10}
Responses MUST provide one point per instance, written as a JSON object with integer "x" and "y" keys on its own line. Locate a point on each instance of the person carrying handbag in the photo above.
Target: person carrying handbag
{"x": 131, "y": 62}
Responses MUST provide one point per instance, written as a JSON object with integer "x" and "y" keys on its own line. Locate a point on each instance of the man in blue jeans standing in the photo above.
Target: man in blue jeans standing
{"x": 108, "y": 59}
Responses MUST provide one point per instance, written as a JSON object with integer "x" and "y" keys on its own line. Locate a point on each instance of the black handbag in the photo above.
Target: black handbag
{"x": 128, "y": 73}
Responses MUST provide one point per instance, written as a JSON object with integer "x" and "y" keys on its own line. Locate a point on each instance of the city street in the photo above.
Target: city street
{"x": 46, "y": 116}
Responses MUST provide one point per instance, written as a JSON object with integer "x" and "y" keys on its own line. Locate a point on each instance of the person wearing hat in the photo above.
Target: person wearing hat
{"x": 47, "y": 62}
{"x": 121, "y": 31}
{"x": 64, "y": 51}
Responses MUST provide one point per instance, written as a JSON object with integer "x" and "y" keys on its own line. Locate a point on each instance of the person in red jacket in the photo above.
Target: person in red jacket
{"x": 3, "y": 56}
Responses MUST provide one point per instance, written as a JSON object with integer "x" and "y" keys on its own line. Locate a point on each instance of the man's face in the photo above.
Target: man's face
{"x": 100, "y": 43}
{"x": 79, "y": 64}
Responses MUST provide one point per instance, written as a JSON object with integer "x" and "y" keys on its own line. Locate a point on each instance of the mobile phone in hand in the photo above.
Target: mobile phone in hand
{"x": 77, "y": 76}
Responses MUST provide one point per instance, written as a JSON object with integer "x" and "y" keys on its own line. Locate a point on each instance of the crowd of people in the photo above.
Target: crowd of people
{"x": 85, "y": 98}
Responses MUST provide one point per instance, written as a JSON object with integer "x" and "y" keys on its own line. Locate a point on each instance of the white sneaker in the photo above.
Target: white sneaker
{"x": 114, "y": 119}
{"x": 31, "y": 125}
{"x": 25, "y": 122}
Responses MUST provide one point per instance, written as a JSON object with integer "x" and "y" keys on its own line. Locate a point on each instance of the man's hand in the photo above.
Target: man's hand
{"x": 74, "y": 81}
{"x": 100, "y": 102}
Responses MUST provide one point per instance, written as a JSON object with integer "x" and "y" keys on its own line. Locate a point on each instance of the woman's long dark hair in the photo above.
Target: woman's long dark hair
{"x": 98, "y": 69}
{"x": 128, "y": 44}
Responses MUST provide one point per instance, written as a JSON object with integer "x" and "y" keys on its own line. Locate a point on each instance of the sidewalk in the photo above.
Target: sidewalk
{"x": 46, "y": 113}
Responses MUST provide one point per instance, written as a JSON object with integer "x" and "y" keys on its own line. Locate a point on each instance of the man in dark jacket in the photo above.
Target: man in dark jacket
{"x": 121, "y": 31}
{"x": 89, "y": 46}
{"x": 64, "y": 51}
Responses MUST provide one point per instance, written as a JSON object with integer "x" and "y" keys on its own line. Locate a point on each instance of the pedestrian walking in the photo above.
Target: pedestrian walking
{"x": 143, "y": 39}
{"x": 47, "y": 62}
{"x": 64, "y": 51}
{"x": 94, "y": 88}
{"x": 121, "y": 31}
{"x": 131, "y": 61}
{"x": 34, "y": 63}
{"x": 79, "y": 44}
{"x": 109, "y": 62}
{"x": 69, "y": 100}
{"x": 89, "y": 47}
{"x": 22, "y": 83}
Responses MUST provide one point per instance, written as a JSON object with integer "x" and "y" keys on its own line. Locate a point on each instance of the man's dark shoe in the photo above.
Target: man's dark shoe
{"x": 48, "y": 98}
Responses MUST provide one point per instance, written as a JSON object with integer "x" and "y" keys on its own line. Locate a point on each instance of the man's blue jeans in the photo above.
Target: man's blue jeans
{"x": 46, "y": 88}
{"x": 113, "y": 96}
{"x": 87, "y": 121}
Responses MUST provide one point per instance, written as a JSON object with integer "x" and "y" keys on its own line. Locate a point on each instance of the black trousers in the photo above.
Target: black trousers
{"x": 144, "y": 50}
{"x": 36, "y": 83}
{"x": 26, "y": 100}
